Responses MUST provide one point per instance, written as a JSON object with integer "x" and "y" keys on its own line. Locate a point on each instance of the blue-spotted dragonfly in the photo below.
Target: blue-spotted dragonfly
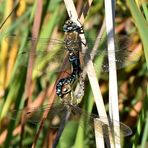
{"x": 57, "y": 113}
{"x": 51, "y": 52}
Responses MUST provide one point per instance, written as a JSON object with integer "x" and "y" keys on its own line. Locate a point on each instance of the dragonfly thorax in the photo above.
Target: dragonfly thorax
{"x": 72, "y": 41}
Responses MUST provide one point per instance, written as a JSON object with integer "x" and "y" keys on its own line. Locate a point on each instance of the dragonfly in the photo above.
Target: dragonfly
{"x": 72, "y": 40}
{"x": 50, "y": 53}
{"x": 57, "y": 113}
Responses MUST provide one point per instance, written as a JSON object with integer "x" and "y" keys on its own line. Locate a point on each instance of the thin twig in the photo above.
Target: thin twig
{"x": 96, "y": 45}
{"x": 38, "y": 133}
{"x": 60, "y": 131}
{"x": 14, "y": 8}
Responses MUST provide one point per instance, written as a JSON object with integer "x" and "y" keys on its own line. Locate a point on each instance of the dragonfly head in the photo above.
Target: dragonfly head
{"x": 71, "y": 26}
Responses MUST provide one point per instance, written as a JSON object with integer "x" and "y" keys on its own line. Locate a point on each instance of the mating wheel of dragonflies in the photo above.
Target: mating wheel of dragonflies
{"x": 51, "y": 52}
{"x": 57, "y": 112}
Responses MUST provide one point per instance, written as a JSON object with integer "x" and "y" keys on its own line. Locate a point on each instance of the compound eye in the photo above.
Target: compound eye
{"x": 73, "y": 24}
{"x": 70, "y": 22}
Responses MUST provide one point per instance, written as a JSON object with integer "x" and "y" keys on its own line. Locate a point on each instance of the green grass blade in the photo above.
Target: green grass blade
{"x": 141, "y": 25}
{"x": 145, "y": 9}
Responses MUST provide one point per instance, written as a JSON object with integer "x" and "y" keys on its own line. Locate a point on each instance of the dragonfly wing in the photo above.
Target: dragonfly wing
{"x": 29, "y": 40}
{"x": 45, "y": 61}
{"x": 49, "y": 53}
{"x": 34, "y": 115}
{"x": 122, "y": 59}
{"x": 124, "y": 129}
{"x": 89, "y": 120}
{"x": 121, "y": 42}
{"x": 51, "y": 61}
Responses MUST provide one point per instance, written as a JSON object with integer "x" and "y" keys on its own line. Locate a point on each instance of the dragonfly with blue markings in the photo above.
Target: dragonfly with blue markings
{"x": 68, "y": 103}
{"x": 50, "y": 53}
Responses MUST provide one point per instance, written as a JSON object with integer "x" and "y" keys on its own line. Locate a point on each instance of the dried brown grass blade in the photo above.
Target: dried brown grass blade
{"x": 35, "y": 32}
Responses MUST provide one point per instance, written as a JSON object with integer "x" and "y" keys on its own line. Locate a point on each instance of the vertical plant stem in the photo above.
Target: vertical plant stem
{"x": 89, "y": 68}
{"x": 62, "y": 125}
{"x": 113, "y": 90}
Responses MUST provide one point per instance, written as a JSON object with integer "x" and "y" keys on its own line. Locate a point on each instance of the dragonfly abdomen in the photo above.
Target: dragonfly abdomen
{"x": 64, "y": 85}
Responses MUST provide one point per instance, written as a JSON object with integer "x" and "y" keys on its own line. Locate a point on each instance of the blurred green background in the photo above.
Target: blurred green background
{"x": 22, "y": 84}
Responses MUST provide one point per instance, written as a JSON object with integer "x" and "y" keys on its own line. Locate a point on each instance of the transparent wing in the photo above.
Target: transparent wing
{"x": 121, "y": 41}
{"x": 34, "y": 115}
{"x": 87, "y": 120}
{"x": 47, "y": 61}
{"x": 29, "y": 40}
{"x": 57, "y": 112}
{"x": 51, "y": 52}
{"x": 123, "y": 54}
{"x": 125, "y": 130}
{"x": 51, "y": 61}
{"x": 123, "y": 58}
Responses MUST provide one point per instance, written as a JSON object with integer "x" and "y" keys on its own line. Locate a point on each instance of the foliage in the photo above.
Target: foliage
{"x": 18, "y": 88}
